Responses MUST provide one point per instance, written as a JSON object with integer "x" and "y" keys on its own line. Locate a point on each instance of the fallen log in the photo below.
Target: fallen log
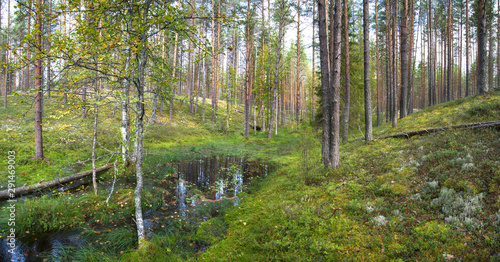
{"x": 433, "y": 130}
{"x": 258, "y": 128}
{"x": 27, "y": 189}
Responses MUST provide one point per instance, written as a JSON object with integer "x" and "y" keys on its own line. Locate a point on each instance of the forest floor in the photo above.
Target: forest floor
{"x": 431, "y": 197}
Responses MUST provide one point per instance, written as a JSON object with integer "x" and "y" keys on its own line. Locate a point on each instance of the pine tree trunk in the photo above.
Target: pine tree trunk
{"x": 174, "y": 63}
{"x": 467, "y": 88}
{"x": 481, "y": 80}
{"x": 190, "y": 77}
{"x": 498, "y": 45}
{"x": 281, "y": 11}
{"x": 325, "y": 81}
{"x": 297, "y": 77}
{"x": 48, "y": 50}
{"x": 28, "y": 58}
{"x": 394, "y": 90}
{"x": 335, "y": 71}
{"x": 431, "y": 58}
{"x": 248, "y": 61}
{"x": 403, "y": 106}
{"x": 379, "y": 90}
{"x": 490, "y": 56}
{"x": 366, "y": 52}
{"x": 313, "y": 91}
{"x": 459, "y": 95}
{"x": 38, "y": 84}
{"x": 388, "y": 63}
{"x": 347, "y": 103}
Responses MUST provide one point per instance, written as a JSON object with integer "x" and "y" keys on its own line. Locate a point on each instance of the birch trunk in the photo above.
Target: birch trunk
{"x": 94, "y": 142}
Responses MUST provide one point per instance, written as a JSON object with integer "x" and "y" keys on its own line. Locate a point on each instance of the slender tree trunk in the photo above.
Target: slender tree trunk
{"x": 313, "y": 93}
{"x": 6, "y": 53}
{"x": 366, "y": 52}
{"x": 411, "y": 58}
{"x": 388, "y": 63}
{"x": 498, "y": 44}
{"x": 422, "y": 75}
{"x": 431, "y": 58}
{"x": 325, "y": 81}
{"x": 335, "y": 71}
{"x": 139, "y": 145}
{"x": 228, "y": 90}
{"x": 482, "y": 84}
{"x": 490, "y": 56}
{"x": 460, "y": 56}
{"x": 263, "y": 110}
{"x": 28, "y": 58}
{"x": 379, "y": 90}
{"x": 216, "y": 62}
{"x": 140, "y": 82}
{"x": 190, "y": 76}
{"x": 281, "y": 11}
{"x": 403, "y": 106}
{"x": 124, "y": 104}
{"x": 38, "y": 84}
{"x": 49, "y": 45}
{"x": 218, "y": 59}
{"x": 449, "y": 76}
{"x": 65, "y": 96}
{"x": 297, "y": 77}
{"x": 467, "y": 90}
{"x": 347, "y": 103}
{"x": 94, "y": 141}
{"x": 248, "y": 84}
{"x": 84, "y": 101}
{"x": 174, "y": 63}
{"x": 394, "y": 90}
{"x": 159, "y": 90}
{"x": 203, "y": 88}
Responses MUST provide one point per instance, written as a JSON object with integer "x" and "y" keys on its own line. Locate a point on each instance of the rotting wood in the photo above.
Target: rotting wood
{"x": 433, "y": 130}
{"x": 4, "y": 194}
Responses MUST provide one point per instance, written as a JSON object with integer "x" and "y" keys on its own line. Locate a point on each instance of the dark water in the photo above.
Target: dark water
{"x": 215, "y": 179}
{"x": 197, "y": 187}
{"x": 51, "y": 245}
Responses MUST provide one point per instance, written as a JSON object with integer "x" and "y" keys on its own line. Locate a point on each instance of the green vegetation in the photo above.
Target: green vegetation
{"x": 429, "y": 198}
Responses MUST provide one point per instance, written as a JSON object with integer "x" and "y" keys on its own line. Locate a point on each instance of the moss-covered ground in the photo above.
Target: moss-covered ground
{"x": 429, "y": 198}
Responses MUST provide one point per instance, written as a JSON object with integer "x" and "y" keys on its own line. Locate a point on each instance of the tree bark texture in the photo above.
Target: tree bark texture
{"x": 366, "y": 52}
{"x": 482, "y": 84}
{"x": 38, "y": 85}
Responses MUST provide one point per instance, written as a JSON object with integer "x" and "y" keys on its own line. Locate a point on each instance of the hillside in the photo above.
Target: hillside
{"x": 431, "y": 197}
{"x": 428, "y": 198}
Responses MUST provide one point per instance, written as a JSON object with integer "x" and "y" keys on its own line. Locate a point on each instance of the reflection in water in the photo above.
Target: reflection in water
{"x": 201, "y": 184}
{"x": 31, "y": 250}
{"x": 214, "y": 179}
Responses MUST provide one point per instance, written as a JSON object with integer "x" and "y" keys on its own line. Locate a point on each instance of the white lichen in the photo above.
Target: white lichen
{"x": 416, "y": 197}
{"x": 433, "y": 184}
{"x": 397, "y": 214}
{"x": 379, "y": 220}
{"x": 369, "y": 207}
{"x": 468, "y": 167}
{"x": 460, "y": 209}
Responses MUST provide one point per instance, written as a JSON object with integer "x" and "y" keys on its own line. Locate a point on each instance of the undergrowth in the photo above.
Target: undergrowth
{"x": 429, "y": 198}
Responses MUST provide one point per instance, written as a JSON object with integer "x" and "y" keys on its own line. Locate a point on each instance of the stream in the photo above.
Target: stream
{"x": 197, "y": 187}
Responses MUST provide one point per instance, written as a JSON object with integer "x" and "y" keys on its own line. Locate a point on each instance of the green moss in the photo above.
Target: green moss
{"x": 299, "y": 212}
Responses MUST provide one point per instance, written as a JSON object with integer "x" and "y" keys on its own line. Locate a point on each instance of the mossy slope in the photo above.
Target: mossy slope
{"x": 429, "y": 198}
